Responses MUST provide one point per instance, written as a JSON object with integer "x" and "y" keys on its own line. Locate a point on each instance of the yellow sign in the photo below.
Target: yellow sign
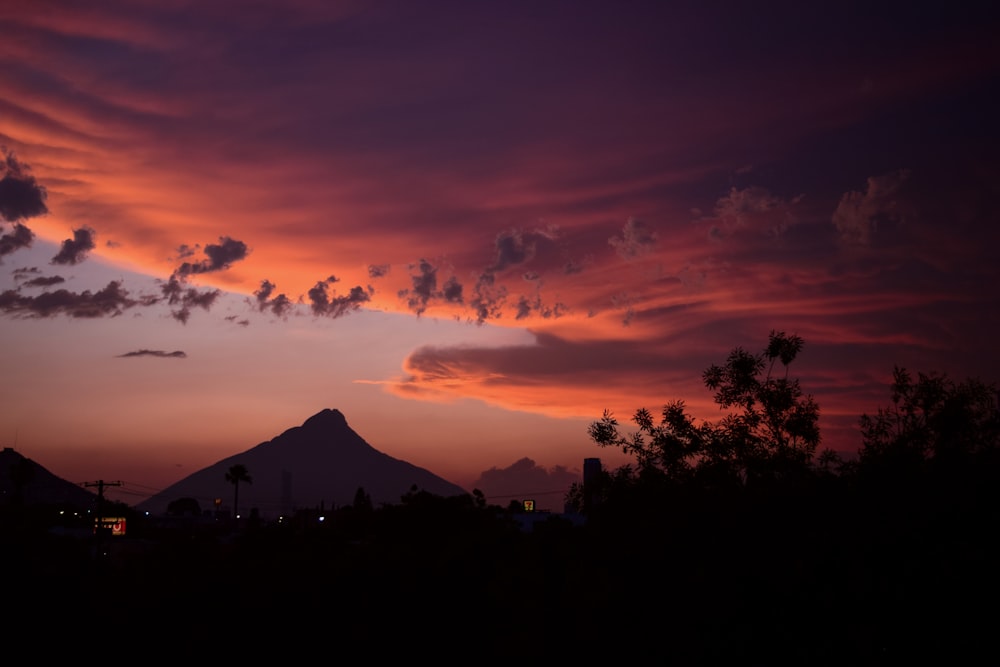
{"x": 529, "y": 505}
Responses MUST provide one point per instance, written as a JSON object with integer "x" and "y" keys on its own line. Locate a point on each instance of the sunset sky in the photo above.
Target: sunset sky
{"x": 472, "y": 227}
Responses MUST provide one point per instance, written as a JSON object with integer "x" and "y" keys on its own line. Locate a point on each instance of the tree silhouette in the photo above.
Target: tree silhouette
{"x": 933, "y": 421}
{"x": 184, "y": 506}
{"x": 236, "y": 474}
{"x": 362, "y": 501}
{"x": 771, "y": 430}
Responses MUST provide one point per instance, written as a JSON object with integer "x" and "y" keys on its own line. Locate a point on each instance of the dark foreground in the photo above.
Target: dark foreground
{"x": 817, "y": 576}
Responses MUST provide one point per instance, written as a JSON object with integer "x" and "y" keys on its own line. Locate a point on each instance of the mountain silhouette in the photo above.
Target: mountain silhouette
{"x": 24, "y": 481}
{"x": 320, "y": 464}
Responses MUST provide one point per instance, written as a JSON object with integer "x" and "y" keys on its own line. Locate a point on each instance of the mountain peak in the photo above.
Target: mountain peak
{"x": 326, "y": 418}
{"x": 321, "y": 463}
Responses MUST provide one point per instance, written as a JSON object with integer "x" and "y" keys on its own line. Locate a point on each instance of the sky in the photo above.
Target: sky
{"x": 473, "y": 227}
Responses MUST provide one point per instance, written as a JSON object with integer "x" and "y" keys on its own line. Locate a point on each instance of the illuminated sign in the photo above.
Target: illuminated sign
{"x": 529, "y": 505}
{"x": 114, "y": 524}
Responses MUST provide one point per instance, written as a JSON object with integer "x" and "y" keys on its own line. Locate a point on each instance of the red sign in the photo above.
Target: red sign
{"x": 116, "y": 524}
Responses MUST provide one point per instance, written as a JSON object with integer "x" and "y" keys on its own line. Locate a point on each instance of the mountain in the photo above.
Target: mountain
{"x": 23, "y": 480}
{"x": 321, "y": 463}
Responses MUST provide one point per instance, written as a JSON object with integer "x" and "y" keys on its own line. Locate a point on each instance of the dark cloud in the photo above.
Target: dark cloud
{"x": 526, "y": 306}
{"x": 177, "y": 354}
{"x": 488, "y": 298}
{"x": 452, "y": 290}
{"x": 264, "y": 293}
{"x": 424, "y": 286}
{"x": 511, "y": 249}
{"x": 44, "y": 281}
{"x": 108, "y": 302}
{"x": 323, "y": 304}
{"x": 75, "y": 250}
{"x": 523, "y": 308}
{"x": 21, "y": 197}
{"x": 378, "y": 270}
{"x": 514, "y": 247}
{"x": 184, "y": 250}
{"x": 177, "y": 293}
{"x": 220, "y": 256}
{"x": 636, "y": 239}
{"x": 20, "y": 238}
{"x": 279, "y": 304}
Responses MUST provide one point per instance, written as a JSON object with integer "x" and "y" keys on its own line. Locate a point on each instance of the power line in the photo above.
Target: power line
{"x": 99, "y": 528}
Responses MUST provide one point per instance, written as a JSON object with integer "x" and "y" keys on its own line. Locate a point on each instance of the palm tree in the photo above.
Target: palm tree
{"x": 236, "y": 474}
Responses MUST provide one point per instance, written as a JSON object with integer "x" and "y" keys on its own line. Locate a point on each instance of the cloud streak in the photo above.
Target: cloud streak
{"x": 110, "y": 301}
{"x": 176, "y": 354}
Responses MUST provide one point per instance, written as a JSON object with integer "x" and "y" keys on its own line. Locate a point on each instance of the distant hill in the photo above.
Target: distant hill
{"x": 22, "y": 480}
{"x": 323, "y": 462}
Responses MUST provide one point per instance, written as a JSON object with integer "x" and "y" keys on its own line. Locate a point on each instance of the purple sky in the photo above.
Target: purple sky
{"x": 473, "y": 226}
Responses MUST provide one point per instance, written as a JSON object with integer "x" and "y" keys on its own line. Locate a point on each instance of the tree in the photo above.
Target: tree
{"x": 184, "y": 507}
{"x": 934, "y": 421}
{"x": 236, "y": 474}
{"x": 362, "y": 501}
{"x": 771, "y": 430}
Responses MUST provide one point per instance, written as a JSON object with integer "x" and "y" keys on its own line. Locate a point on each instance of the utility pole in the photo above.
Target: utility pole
{"x": 99, "y": 529}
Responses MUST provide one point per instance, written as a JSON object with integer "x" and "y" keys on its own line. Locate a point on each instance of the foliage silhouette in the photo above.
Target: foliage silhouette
{"x": 770, "y": 431}
{"x": 933, "y": 421}
{"x": 184, "y": 507}
{"x": 237, "y": 473}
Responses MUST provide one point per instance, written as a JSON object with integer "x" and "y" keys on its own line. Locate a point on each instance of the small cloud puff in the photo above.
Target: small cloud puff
{"x": 220, "y": 256}
{"x": 636, "y": 239}
{"x": 21, "y": 197}
{"x": 859, "y": 213}
{"x": 753, "y": 209}
{"x": 74, "y": 250}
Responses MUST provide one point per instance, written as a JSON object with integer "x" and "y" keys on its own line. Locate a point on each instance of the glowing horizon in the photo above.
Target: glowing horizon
{"x": 392, "y": 212}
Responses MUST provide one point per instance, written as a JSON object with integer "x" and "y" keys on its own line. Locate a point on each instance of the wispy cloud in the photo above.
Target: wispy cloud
{"x": 860, "y": 213}
{"x": 636, "y": 239}
{"x": 176, "y": 354}
{"x": 110, "y": 301}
